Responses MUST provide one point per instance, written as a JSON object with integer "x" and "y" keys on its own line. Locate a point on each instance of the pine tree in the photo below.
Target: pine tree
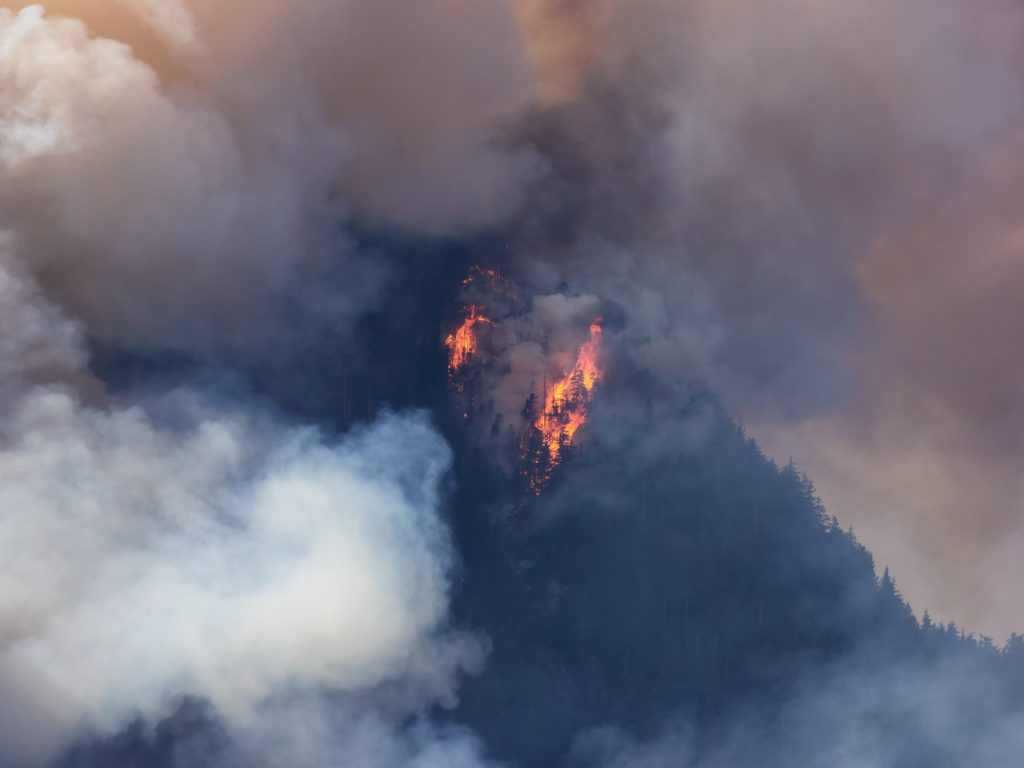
{"x": 529, "y": 411}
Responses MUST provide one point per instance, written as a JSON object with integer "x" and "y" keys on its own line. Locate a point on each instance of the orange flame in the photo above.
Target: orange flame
{"x": 536, "y": 442}
{"x": 492, "y": 279}
{"x": 493, "y": 276}
{"x": 565, "y": 406}
{"x": 462, "y": 343}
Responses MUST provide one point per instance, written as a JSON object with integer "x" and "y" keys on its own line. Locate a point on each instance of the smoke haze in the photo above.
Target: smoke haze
{"x": 176, "y": 545}
{"x": 809, "y": 209}
{"x": 789, "y": 200}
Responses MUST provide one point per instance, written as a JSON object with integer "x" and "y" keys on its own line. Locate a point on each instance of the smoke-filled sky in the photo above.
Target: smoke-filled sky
{"x": 809, "y": 205}
{"x": 814, "y": 204}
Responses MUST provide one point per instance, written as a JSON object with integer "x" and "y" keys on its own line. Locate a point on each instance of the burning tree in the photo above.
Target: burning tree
{"x": 533, "y": 441}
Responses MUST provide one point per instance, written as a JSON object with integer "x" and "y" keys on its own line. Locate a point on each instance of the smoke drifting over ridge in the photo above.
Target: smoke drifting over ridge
{"x": 196, "y": 538}
{"x": 809, "y": 207}
{"x": 752, "y": 182}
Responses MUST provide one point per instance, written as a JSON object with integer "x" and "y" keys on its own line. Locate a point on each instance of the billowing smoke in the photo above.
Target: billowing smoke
{"x": 806, "y": 208}
{"x": 729, "y": 172}
{"x": 190, "y": 196}
{"x": 176, "y": 545}
{"x": 184, "y": 543}
{"x": 789, "y": 199}
{"x": 178, "y": 177}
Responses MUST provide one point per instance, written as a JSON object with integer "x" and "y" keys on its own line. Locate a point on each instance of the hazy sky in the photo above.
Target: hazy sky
{"x": 824, "y": 220}
{"x": 814, "y": 205}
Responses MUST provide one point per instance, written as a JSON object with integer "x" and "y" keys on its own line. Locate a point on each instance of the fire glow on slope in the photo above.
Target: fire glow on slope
{"x": 565, "y": 409}
{"x": 463, "y": 342}
{"x": 533, "y": 440}
{"x": 492, "y": 276}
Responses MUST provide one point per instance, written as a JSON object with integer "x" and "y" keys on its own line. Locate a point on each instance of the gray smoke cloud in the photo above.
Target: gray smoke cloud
{"x": 881, "y": 716}
{"x": 175, "y": 187}
{"x": 752, "y": 183}
{"x": 809, "y": 207}
{"x": 175, "y": 546}
{"x": 178, "y": 176}
{"x": 141, "y": 210}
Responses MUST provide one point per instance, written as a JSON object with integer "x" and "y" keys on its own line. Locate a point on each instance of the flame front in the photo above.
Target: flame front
{"x": 565, "y": 410}
{"x": 462, "y": 343}
{"x": 531, "y": 441}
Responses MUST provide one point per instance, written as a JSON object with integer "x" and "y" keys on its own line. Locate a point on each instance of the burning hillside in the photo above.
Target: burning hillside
{"x": 564, "y": 412}
{"x": 462, "y": 343}
{"x": 525, "y": 386}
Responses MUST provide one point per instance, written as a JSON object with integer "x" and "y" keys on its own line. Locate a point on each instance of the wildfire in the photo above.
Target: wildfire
{"x": 565, "y": 409}
{"x": 462, "y": 343}
{"x": 492, "y": 276}
{"x": 531, "y": 441}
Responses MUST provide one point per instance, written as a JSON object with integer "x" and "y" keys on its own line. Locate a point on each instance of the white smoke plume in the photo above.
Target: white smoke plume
{"x": 174, "y": 546}
{"x": 733, "y": 173}
{"x": 179, "y": 176}
{"x": 760, "y": 185}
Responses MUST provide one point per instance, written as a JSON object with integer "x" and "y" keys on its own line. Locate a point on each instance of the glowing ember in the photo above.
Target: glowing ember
{"x": 490, "y": 281}
{"x": 565, "y": 410}
{"x": 463, "y": 343}
{"x": 492, "y": 276}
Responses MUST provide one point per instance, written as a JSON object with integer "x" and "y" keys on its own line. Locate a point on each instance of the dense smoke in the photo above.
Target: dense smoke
{"x": 752, "y": 182}
{"x": 177, "y": 544}
{"x": 261, "y": 142}
{"x": 187, "y": 540}
{"x": 806, "y": 208}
